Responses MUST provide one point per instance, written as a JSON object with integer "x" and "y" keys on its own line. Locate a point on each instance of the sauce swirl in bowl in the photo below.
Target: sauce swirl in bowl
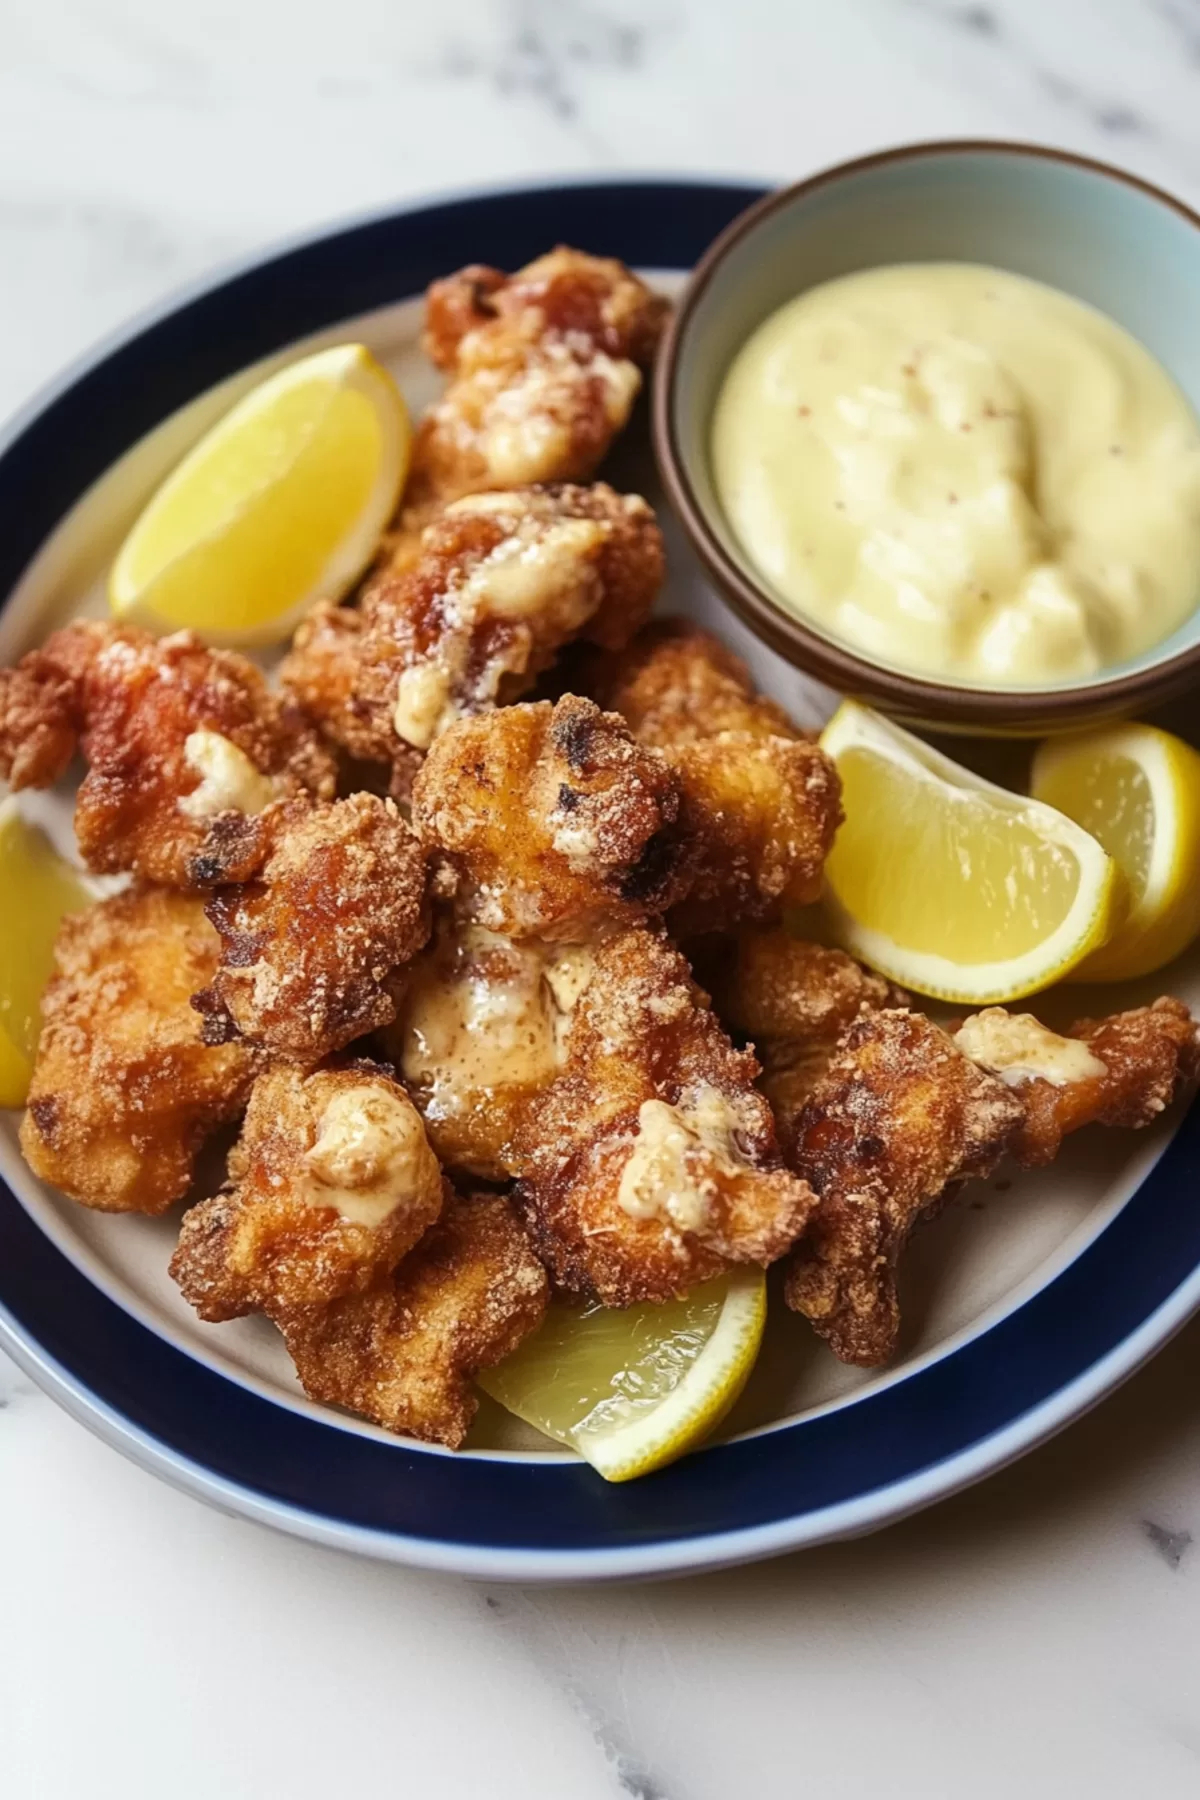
{"x": 962, "y": 472}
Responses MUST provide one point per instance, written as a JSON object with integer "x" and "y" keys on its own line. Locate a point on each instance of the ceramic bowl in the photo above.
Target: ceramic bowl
{"x": 1090, "y": 230}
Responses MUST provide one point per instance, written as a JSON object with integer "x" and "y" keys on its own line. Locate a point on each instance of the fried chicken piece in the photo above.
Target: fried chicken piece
{"x": 551, "y": 821}
{"x": 651, "y": 1163}
{"x": 310, "y": 948}
{"x": 403, "y": 1354}
{"x": 498, "y": 584}
{"x": 481, "y": 1030}
{"x": 42, "y": 710}
{"x": 187, "y": 749}
{"x": 761, "y": 800}
{"x": 124, "y": 1090}
{"x": 792, "y": 1000}
{"x": 544, "y": 368}
{"x": 899, "y": 1114}
{"x": 677, "y": 684}
{"x": 331, "y": 1182}
{"x": 1124, "y": 1070}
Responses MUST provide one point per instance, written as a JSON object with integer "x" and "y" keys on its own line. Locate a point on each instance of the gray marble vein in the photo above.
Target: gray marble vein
{"x": 530, "y": 1620}
{"x": 1006, "y": 45}
{"x": 15, "y": 1388}
{"x": 1172, "y": 1546}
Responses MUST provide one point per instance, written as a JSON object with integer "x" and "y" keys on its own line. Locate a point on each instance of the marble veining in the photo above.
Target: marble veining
{"x": 1035, "y": 1636}
{"x": 543, "y": 48}
{"x": 1172, "y": 1546}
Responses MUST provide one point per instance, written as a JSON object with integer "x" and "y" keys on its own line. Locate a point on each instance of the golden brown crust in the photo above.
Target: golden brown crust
{"x": 457, "y": 304}
{"x": 136, "y": 702}
{"x": 311, "y": 1147}
{"x": 763, "y": 813}
{"x": 322, "y": 671}
{"x": 792, "y": 1000}
{"x": 311, "y": 946}
{"x": 1149, "y": 1055}
{"x": 41, "y": 708}
{"x": 124, "y": 1090}
{"x": 651, "y": 1082}
{"x": 464, "y": 618}
{"x": 479, "y": 1033}
{"x": 551, "y": 820}
{"x": 403, "y": 1354}
{"x": 761, "y": 801}
{"x": 898, "y": 1115}
{"x": 544, "y": 369}
{"x": 677, "y": 684}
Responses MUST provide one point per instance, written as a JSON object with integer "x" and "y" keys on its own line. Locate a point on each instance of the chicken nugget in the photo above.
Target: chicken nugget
{"x": 403, "y": 1354}
{"x": 761, "y": 800}
{"x": 651, "y": 1163}
{"x": 187, "y": 749}
{"x": 311, "y": 947}
{"x": 544, "y": 368}
{"x": 124, "y": 1089}
{"x": 792, "y": 1000}
{"x": 331, "y": 1182}
{"x": 899, "y": 1114}
{"x": 677, "y": 684}
{"x": 551, "y": 821}
{"x": 1124, "y": 1070}
{"x": 480, "y": 1032}
{"x": 465, "y": 618}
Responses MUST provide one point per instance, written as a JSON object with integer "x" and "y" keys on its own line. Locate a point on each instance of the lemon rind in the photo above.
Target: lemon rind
{"x": 1084, "y": 928}
{"x": 345, "y": 365}
{"x": 1141, "y": 945}
{"x": 687, "y": 1415}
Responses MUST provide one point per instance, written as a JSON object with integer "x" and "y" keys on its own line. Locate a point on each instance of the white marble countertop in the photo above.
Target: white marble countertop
{"x": 1037, "y": 1636}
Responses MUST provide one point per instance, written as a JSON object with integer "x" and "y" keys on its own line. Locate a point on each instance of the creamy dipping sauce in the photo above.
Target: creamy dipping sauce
{"x": 963, "y": 473}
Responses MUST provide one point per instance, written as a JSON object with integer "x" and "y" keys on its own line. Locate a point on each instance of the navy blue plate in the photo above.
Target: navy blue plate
{"x": 841, "y": 1472}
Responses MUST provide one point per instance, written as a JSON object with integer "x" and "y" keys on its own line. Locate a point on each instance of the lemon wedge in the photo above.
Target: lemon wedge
{"x": 951, "y": 885}
{"x": 635, "y": 1389}
{"x": 1137, "y": 790}
{"x": 282, "y": 503}
{"x": 36, "y": 888}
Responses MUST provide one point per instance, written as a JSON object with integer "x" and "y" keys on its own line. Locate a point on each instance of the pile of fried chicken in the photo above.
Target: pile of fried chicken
{"x": 446, "y": 951}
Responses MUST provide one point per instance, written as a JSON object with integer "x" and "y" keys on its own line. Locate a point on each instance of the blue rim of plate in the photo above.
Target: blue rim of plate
{"x": 840, "y": 1473}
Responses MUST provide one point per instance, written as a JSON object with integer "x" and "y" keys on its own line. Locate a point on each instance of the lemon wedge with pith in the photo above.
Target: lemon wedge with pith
{"x": 36, "y": 888}
{"x": 951, "y": 885}
{"x": 282, "y": 503}
{"x": 632, "y": 1390}
{"x": 1137, "y": 790}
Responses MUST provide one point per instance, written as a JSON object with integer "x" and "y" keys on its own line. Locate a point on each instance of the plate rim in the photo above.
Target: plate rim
{"x": 80, "y": 1398}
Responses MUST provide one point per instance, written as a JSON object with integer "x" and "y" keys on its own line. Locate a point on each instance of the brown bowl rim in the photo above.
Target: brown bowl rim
{"x": 840, "y": 668}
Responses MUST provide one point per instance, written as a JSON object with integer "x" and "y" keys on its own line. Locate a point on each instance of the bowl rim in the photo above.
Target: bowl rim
{"x": 909, "y": 695}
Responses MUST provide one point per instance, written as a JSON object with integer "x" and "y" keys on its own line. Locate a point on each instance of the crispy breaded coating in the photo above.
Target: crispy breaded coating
{"x": 1124, "y": 1070}
{"x": 677, "y": 684}
{"x": 310, "y": 948}
{"x": 481, "y": 1031}
{"x": 651, "y": 1163}
{"x": 467, "y": 620}
{"x": 899, "y": 1114}
{"x": 551, "y": 820}
{"x": 403, "y": 1354}
{"x": 331, "y": 1182}
{"x": 42, "y": 707}
{"x": 544, "y": 368}
{"x": 124, "y": 1089}
{"x": 769, "y": 984}
{"x": 762, "y": 813}
{"x": 187, "y": 749}
{"x": 322, "y": 671}
{"x": 792, "y": 1000}
{"x": 761, "y": 800}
